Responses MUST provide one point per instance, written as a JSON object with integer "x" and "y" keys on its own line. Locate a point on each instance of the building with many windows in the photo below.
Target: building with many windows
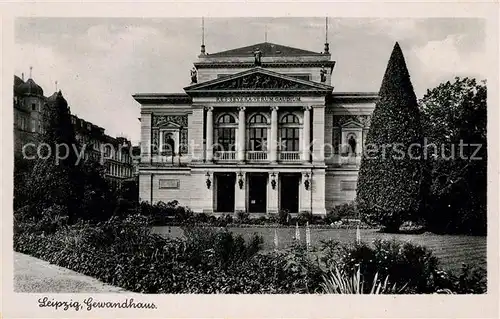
{"x": 29, "y": 103}
{"x": 259, "y": 129}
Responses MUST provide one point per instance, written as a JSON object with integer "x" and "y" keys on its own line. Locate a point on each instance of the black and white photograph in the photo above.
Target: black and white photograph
{"x": 281, "y": 155}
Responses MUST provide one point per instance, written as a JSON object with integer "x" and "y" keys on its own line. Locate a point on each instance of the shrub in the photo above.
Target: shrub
{"x": 201, "y": 218}
{"x": 340, "y": 282}
{"x": 284, "y": 217}
{"x": 407, "y": 265}
{"x": 469, "y": 280}
{"x": 347, "y": 210}
{"x": 242, "y": 216}
{"x": 332, "y": 216}
{"x": 305, "y": 217}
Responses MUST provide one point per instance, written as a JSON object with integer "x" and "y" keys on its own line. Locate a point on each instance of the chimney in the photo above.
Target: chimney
{"x": 22, "y": 76}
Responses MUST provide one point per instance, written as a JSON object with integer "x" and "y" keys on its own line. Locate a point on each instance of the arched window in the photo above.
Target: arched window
{"x": 257, "y": 137}
{"x": 289, "y": 133}
{"x": 226, "y": 133}
{"x": 226, "y": 119}
{"x": 290, "y": 119}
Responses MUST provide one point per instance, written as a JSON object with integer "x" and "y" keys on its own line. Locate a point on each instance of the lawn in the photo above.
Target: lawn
{"x": 452, "y": 250}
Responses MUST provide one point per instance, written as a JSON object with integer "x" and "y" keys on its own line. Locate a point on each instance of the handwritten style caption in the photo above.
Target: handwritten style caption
{"x": 90, "y": 304}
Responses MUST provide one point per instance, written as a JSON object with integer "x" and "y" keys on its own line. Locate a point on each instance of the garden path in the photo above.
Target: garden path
{"x": 37, "y": 276}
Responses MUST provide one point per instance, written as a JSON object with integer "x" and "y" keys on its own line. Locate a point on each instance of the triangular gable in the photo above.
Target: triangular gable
{"x": 258, "y": 80}
{"x": 267, "y": 49}
{"x": 352, "y": 124}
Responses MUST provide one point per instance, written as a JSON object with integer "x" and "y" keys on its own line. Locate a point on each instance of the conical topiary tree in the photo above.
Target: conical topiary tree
{"x": 391, "y": 172}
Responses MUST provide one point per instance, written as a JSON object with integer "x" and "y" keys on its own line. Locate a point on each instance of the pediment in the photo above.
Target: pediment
{"x": 352, "y": 124}
{"x": 170, "y": 121}
{"x": 258, "y": 80}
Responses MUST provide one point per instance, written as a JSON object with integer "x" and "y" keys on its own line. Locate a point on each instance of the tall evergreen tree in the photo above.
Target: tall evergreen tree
{"x": 391, "y": 173}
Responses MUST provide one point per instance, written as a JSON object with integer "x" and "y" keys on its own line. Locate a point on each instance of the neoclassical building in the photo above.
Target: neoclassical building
{"x": 259, "y": 129}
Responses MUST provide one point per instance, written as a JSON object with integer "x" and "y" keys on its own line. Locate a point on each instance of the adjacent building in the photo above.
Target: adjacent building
{"x": 29, "y": 103}
{"x": 257, "y": 129}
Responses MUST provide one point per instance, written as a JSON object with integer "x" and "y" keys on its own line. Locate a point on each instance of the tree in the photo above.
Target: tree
{"x": 55, "y": 180}
{"x": 390, "y": 177}
{"x": 454, "y": 114}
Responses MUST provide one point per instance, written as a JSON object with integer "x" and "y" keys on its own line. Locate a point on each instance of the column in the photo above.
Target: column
{"x": 318, "y": 134}
{"x": 241, "y": 134}
{"x": 273, "y": 140}
{"x": 307, "y": 134}
{"x": 272, "y": 193}
{"x": 209, "y": 150}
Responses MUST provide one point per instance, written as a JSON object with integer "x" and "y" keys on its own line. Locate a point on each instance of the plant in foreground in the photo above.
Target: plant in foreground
{"x": 339, "y": 282}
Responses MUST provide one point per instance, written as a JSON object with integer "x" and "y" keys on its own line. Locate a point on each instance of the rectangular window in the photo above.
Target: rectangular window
{"x": 33, "y": 106}
{"x": 226, "y": 139}
{"x": 290, "y": 139}
{"x": 33, "y": 126}
{"x": 258, "y": 139}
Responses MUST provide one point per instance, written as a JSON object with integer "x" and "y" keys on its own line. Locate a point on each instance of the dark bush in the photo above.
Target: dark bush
{"x": 305, "y": 217}
{"x": 284, "y": 217}
{"x": 347, "y": 210}
{"x": 407, "y": 265}
{"x": 242, "y": 217}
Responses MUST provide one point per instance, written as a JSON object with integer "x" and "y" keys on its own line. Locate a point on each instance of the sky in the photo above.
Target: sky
{"x": 100, "y": 62}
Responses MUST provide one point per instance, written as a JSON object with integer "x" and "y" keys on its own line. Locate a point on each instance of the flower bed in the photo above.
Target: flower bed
{"x": 124, "y": 253}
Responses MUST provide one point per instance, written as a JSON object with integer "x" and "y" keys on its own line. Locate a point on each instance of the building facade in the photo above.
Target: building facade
{"x": 29, "y": 104}
{"x": 259, "y": 129}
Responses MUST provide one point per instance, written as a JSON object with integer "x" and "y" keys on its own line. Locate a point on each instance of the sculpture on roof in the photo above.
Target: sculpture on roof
{"x": 258, "y": 55}
{"x": 322, "y": 74}
{"x": 194, "y": 76}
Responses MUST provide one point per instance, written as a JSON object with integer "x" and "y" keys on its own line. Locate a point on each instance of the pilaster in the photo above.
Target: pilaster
{"x": 305, "y": 192}
{"x": 241, "y": 134}
{"x": 318, "y": 191}
{"x": 209, "y": 135}
{"x": 318, "y": 134}
{"x": 240, "y": 192}
{"x": 272, "y": 193}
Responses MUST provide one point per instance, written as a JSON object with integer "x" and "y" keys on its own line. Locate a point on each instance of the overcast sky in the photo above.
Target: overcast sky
{"x": 99, "y": 63}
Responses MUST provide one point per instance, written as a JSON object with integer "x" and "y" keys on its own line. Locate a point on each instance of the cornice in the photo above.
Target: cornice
{"x": 162, "y": 98}
{"x": 278, "y": 64}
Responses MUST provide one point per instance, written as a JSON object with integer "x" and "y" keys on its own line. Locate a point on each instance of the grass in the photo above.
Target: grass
{"x": 452, "y": 250}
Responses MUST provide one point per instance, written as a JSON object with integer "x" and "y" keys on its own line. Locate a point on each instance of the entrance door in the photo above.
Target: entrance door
{"x": 257, "y": 193}
{"x": 289, "y": 194}
{"x": 225, "y": 192}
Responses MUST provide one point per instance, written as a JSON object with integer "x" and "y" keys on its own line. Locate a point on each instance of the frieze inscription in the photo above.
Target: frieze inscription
{"x": 256, "y": 99}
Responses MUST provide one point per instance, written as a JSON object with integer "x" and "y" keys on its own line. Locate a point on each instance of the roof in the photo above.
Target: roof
{"x": 267, "y": 49}
{"x": 30, "y": 88}
{"x": 17, "y": 82}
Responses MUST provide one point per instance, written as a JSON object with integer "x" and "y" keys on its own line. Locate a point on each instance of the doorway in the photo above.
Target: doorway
{"x": 289, "y": 192}
{"x": 257, "y": 193}
{"x": 225, "y": 192}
